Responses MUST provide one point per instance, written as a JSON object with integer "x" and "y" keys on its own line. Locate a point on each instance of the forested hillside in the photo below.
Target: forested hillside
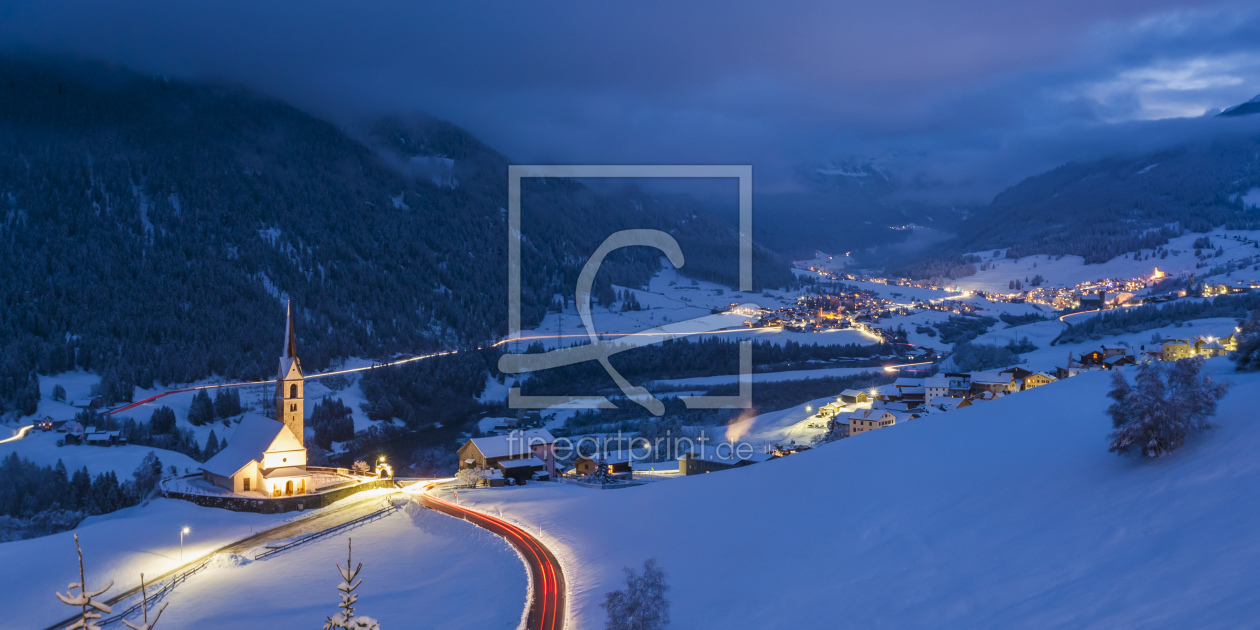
{"x": 152, "y": 228}
{"x": 1099, "y": 210}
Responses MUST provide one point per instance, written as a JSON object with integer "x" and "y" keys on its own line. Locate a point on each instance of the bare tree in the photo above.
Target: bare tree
{"x": 144, "y": 606}
{"x": 86, "y": 599}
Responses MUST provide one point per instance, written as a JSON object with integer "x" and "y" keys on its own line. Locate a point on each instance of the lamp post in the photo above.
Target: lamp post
{"x": 183, "y": 531}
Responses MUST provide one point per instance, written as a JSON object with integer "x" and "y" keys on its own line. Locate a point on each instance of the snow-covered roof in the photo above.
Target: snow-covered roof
{"x": 947, "y": 403}
{"x": 514, "y": 443}
{"x": 908, "y": 382}
{"x": 531, "y": 462}
{"x": 902, "y": 416}
{"x": 287, "y": 471}
{"x": 854, "y": 393}
{"x": 617, "y": 457}
{"x": 990, "y": 379}
{"x": 869, "y": 414}
{"x": 253, "y": 435}
{"x": 710, "y": 454}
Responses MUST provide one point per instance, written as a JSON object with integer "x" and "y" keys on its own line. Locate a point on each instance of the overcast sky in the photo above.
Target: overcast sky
{"x": 970, "y": 94}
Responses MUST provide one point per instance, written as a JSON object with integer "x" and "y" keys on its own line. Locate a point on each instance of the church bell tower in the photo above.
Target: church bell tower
{"x": 290, "y": 384}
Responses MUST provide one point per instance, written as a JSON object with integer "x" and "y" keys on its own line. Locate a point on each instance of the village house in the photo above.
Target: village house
{"x": 950, "y": 384}
{"x": 700, "y": 460}
{"x": 616, "y": 462}
{"x": 910, "y": 389}
{"x": 1037, "y": 379}
{"x": 263, "y": 455}
{"x": 989, "y": 383}
{"x": 520, "y": 455}
{"x": 1175, "y": 349}
{"x": 1017, "y": 376}
{"x": 947, "y": 403}
{"x": 854, "y": 397}
{"x": 1209, "y": 348}
{"x": 865, "y": 420}
{"x": 831, "y": 409}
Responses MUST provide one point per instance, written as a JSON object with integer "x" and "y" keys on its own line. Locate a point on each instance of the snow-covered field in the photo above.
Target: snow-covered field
{"x": 1010, "y": 514}
{"x": 1047, "y": 357}
{"x": 1071, "y": 270}
{"x": 41, "y": 448}
{"x": 421, "y": 570}
{"x": 116, "y": 546}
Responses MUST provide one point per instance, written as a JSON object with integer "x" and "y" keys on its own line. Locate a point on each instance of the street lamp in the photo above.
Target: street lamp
{"x": 183, "y": 531}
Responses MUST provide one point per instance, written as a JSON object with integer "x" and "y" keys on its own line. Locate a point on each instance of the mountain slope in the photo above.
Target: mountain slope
{"x": 1099, "y": 210}
{"x": 153, "y": 228}
{"x": 1010, "y": 514}
{"x": 1244, "y": 109}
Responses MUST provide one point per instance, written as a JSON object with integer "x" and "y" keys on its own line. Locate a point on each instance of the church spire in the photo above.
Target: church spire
{"x": 290, "y": 339}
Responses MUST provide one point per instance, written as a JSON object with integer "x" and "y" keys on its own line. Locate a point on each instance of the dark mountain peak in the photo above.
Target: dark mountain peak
{"x": 1245, "y": 109}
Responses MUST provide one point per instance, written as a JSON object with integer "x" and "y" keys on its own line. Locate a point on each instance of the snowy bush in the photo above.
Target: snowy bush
{"x": 360, "y": 468}
{"x": 345, "y": 620}
{"x": 1166, "y": 402}
{"x": 470, "y": 477}
{"x": 1247, "y": 356}
{"x": 643, "y": 605}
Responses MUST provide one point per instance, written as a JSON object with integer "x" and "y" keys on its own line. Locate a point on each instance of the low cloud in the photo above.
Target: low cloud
{"x": 969, "y": 97}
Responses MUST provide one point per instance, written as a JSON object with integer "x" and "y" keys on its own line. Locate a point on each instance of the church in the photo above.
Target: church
{"x": 266, "y": 456}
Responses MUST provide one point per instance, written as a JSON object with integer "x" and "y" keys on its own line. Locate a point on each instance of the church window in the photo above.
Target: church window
{"x": 293, "y": 391}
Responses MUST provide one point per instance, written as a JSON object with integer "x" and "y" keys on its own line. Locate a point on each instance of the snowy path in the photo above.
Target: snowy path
{"x": 343, "y": 512}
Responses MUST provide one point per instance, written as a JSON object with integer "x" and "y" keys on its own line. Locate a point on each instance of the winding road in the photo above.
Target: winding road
{"x": 546, "y": 609}
{"x": 547, "y": 604}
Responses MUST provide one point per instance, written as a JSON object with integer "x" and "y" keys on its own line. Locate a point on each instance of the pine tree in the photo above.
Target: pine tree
{"x": 212, "y": 446}
{"x": 345, "y": 620}
{"x": 1163, "y": 406}
{"x": 202, "y": 409}
{"x": 1246, "y": 356}
{"x": 227, "y": 403}
{"x": 600, "y": 474}
{"x": 644, "y": 605}
{"x": 86, "y": 599}
{"x": 162, "y": 421}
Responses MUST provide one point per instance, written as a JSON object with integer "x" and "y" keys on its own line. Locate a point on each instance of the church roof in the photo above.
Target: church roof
{"x": 287, "y": 471}
{"x": 252, "y": 437}
{"x": 288, "y": 356}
